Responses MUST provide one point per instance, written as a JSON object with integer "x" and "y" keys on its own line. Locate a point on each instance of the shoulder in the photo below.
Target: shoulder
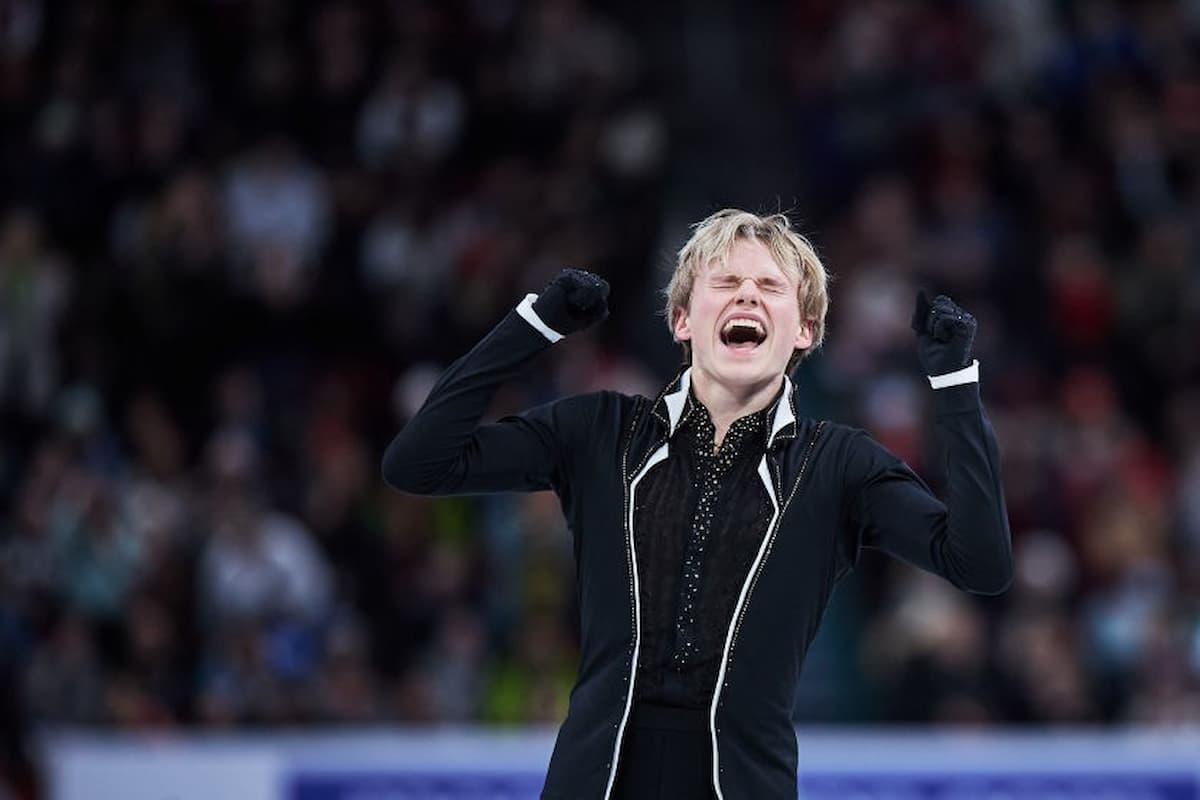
{"x": 602, "y": 403}
{"x": 824, "y": 436}
{"x": 594, "y": 414}
{"x": 865, "y": 459}
{"x": 850, "y": 437}
{"x": 841, "y": 449}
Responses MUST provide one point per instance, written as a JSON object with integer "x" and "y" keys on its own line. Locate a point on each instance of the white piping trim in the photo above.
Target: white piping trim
{"x": 783, "y": 411}
{"x": 968, "y": 374}
{"x": 525, "y": 309}
{"x": 659, "y": 455}
{"x": 765, "y": 474}
{"x": 677, "y": 399}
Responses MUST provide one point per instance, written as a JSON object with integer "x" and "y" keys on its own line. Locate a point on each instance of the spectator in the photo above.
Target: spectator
{"x": 226, "y": 237}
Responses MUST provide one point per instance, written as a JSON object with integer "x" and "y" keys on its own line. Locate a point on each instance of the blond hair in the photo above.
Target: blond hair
{"x": 712, "y": 240}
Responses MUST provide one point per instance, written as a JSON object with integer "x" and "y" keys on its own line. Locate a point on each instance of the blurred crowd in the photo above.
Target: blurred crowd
{"x": 1041, "y": 163}
{"x": 239, "y": 239}
{"x": 236, "y": 240}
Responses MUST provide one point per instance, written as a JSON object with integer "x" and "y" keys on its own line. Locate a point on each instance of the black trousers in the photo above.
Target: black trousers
{"x": 666, "y": 755}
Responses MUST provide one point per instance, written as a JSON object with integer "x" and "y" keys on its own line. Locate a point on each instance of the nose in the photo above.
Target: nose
{"x": 747, "y": 293}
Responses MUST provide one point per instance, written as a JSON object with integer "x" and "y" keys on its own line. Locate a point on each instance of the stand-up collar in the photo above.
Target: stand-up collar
{"x": 673, "y": 400}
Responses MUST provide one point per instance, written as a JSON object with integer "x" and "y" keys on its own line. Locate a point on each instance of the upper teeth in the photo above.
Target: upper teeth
{"x": 745, "y": 322}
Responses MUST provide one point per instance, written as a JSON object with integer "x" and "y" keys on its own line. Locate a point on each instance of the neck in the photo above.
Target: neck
{"x": 726, "y": 403}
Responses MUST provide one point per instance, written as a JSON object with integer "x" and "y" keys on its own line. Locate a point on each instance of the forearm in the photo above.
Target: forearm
{"x": 963, "y": 537}
{"x": 430, "y": 454}
{"x": 444, "y": 449}
{"x": 972, "y": 548}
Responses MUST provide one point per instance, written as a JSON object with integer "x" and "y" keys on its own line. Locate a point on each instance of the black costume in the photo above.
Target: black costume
{"x": 824, "y": 492}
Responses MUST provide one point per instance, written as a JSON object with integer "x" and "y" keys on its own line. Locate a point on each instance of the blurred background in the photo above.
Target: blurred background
{"x": 240, "y": 239}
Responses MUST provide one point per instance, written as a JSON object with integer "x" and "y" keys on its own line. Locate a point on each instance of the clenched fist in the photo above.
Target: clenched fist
{"x": 945, "y": 333}
{"x": 573, "y": 301}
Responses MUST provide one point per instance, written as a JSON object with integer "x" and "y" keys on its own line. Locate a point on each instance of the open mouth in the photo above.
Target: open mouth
{"x": 742, "y": 334}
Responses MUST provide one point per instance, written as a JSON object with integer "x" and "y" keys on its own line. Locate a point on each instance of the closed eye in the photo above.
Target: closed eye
{"x": 769, "y": 285}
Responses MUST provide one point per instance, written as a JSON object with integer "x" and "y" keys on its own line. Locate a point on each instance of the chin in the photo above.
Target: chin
{"x": 747, "y": 372}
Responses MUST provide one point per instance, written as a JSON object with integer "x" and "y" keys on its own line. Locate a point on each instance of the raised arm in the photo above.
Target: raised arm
{"x": 445, "y": 450}
{"x": 965, "y": 539}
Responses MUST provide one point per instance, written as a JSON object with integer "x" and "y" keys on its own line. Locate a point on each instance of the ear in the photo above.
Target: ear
{"x": 804, "y": 336}
{"x": 680, "y": 324}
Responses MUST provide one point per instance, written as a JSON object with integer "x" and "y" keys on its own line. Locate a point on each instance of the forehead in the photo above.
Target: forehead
{"x": 753, "y": 258}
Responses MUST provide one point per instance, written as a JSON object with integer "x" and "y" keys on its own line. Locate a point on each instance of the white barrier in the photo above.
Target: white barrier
{"x": 472, "y": 764}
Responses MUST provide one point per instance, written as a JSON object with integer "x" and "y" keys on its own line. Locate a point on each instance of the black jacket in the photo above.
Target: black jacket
{"x": 835, "y": 491}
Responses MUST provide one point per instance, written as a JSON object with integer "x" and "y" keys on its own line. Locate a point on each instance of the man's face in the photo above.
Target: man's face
{"x": 743, "y": 320}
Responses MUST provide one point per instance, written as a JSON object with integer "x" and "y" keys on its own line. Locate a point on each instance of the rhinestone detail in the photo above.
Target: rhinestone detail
{"x": 712, "y": 465}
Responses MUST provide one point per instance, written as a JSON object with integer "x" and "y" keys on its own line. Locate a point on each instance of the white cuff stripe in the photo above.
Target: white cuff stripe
{"x": 525, "y": 309}
{"x": 965, "y": 375}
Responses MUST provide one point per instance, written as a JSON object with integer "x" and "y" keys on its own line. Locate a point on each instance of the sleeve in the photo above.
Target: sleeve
{"x": 445, "y": 450}
{"x": 965, "y": 539}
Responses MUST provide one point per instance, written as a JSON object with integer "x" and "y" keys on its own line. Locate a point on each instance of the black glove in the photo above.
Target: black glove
{"x": 945, "y": 333}
{"x": 574, "y": 300}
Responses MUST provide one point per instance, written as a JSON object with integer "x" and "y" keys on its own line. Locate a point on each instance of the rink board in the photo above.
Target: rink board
{"x": 471, "y": 764}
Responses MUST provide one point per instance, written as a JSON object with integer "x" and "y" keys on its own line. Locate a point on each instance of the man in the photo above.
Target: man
{"x": 711, "y": 524}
